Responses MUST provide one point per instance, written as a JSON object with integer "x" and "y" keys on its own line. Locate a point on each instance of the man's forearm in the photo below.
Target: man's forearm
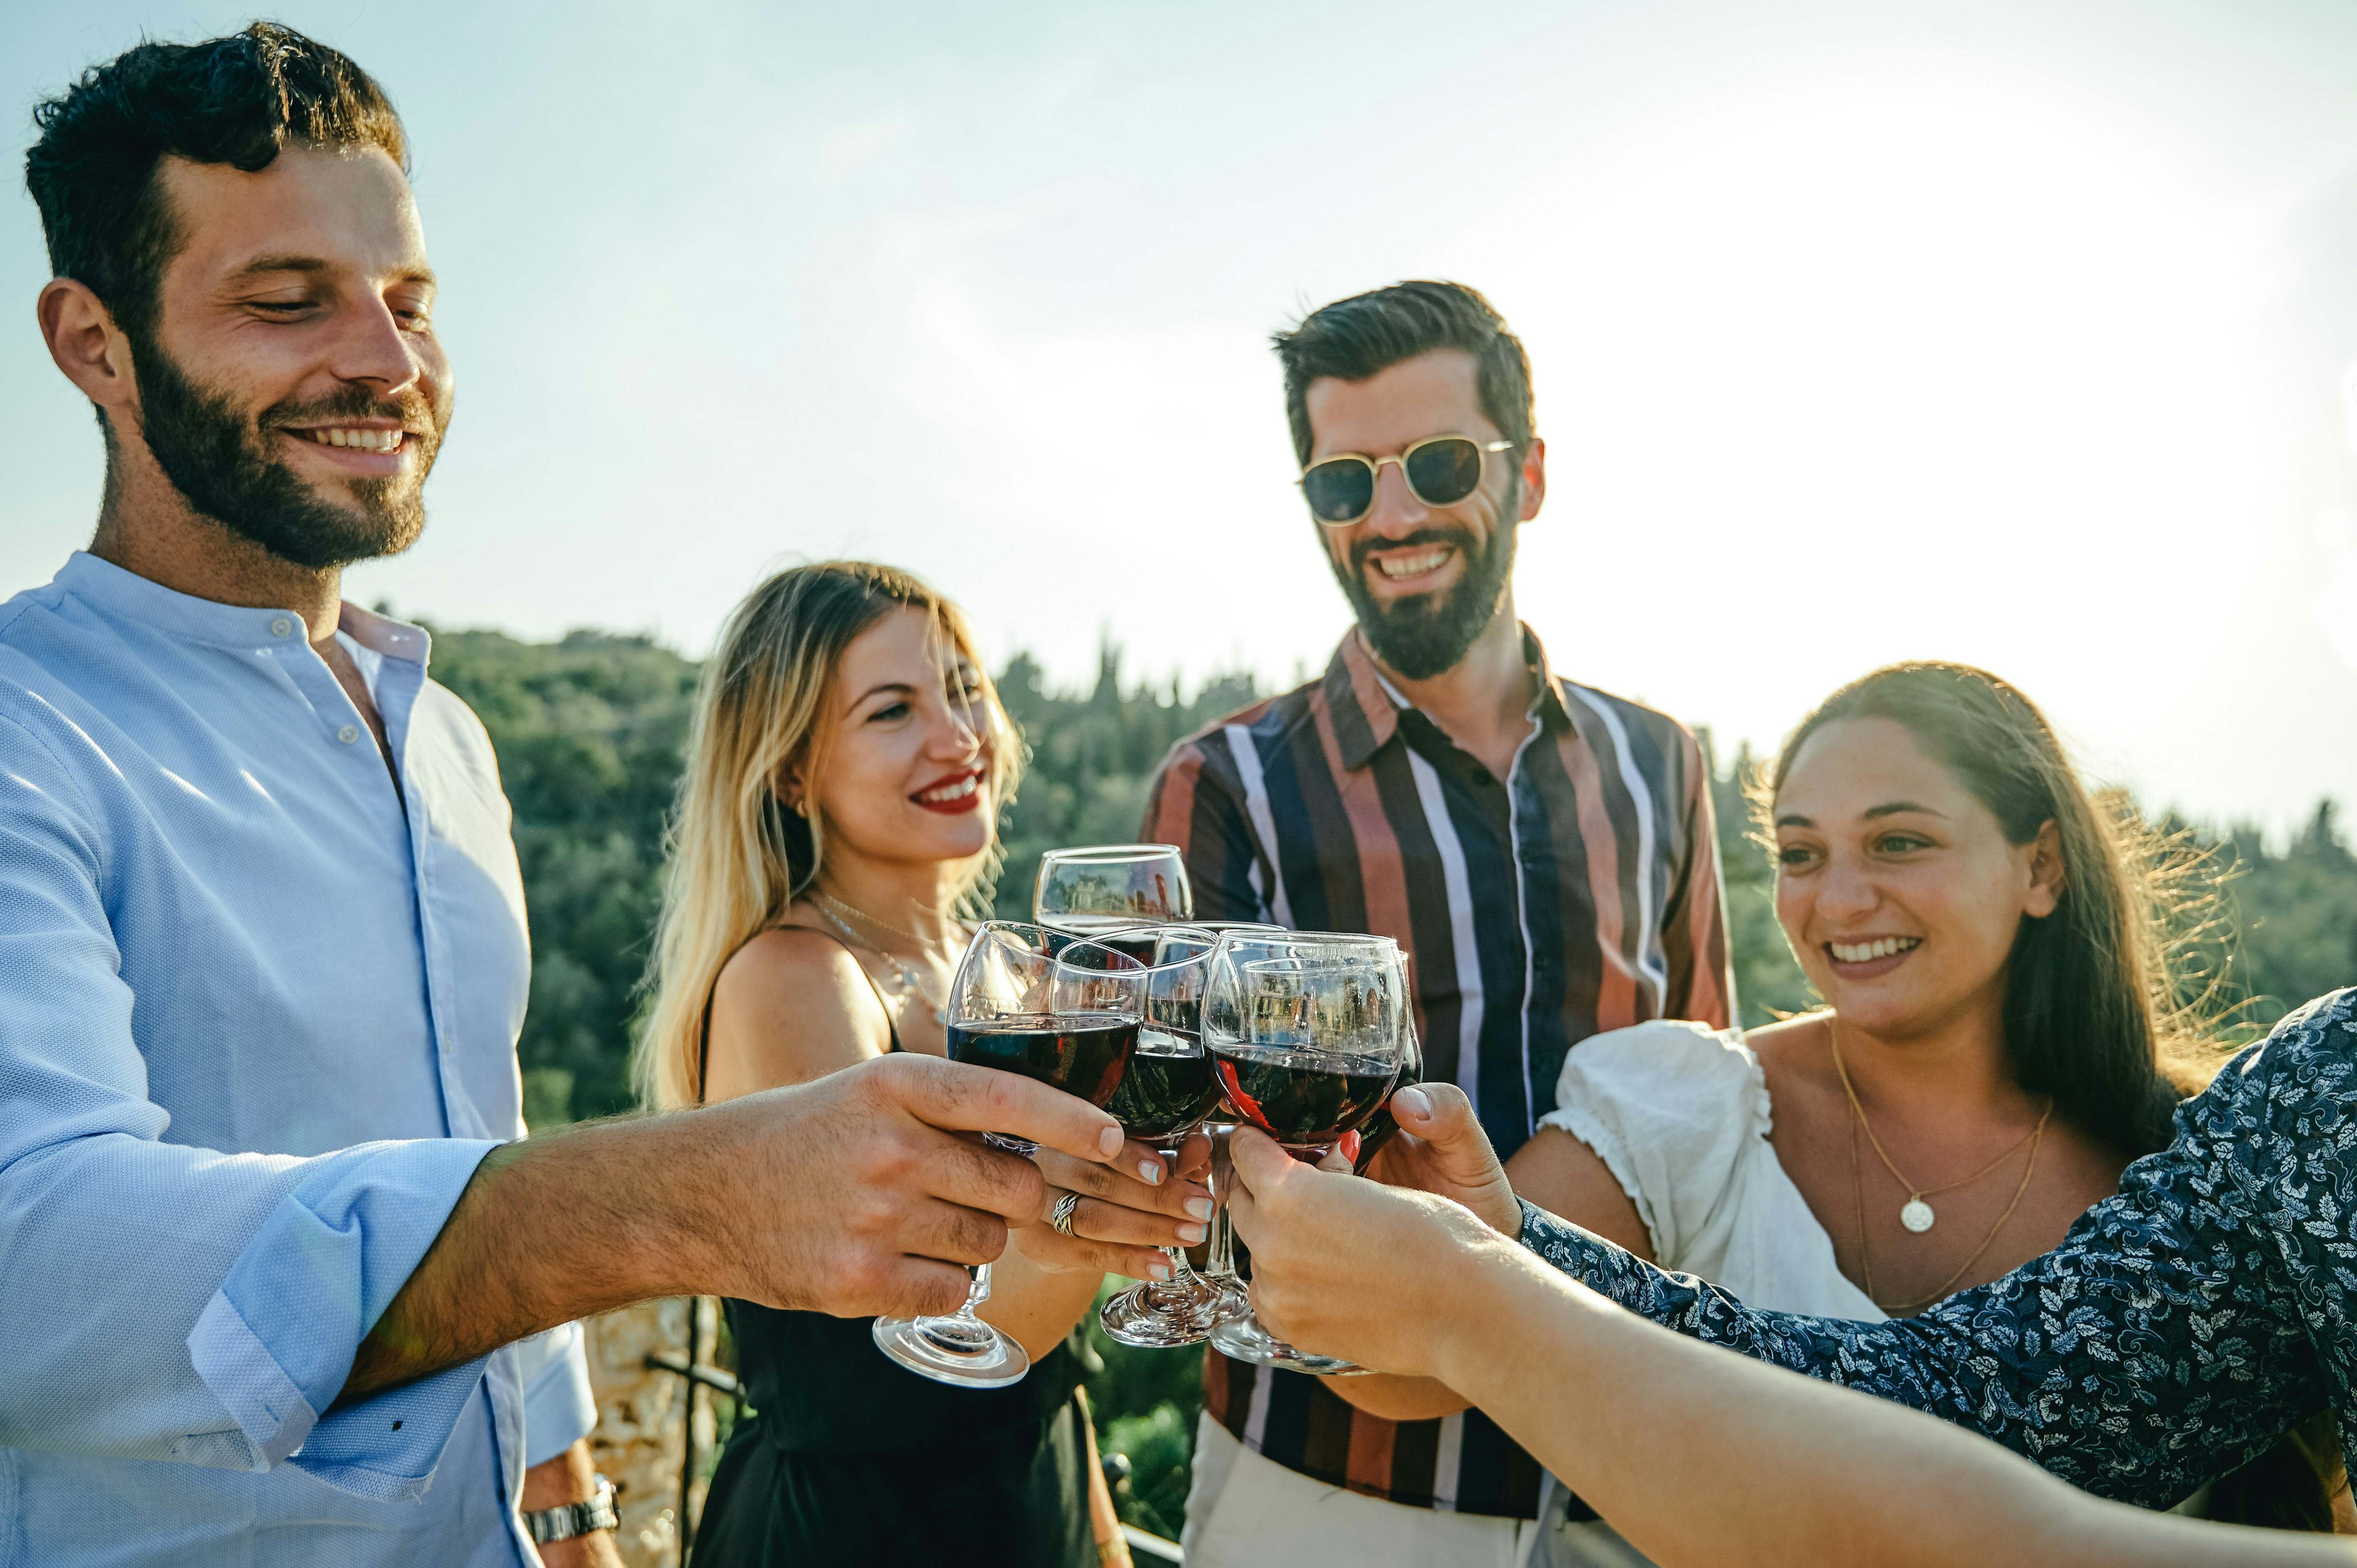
{"x": 559, "y": 1226}
{"x": 859, "y": 1194}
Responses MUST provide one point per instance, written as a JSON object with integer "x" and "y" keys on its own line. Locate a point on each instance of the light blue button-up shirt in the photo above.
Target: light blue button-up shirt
{"x": 258, "y": 1016}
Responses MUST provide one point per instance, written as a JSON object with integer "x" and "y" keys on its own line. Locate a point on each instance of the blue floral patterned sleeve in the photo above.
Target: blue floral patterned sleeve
{"x": 2178, "y": 1330}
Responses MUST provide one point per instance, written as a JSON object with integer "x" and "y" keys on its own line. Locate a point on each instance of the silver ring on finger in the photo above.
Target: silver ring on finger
{"x": 1060, "y": 1218}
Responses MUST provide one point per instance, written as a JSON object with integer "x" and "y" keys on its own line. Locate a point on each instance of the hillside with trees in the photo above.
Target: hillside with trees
{"x": 589, "y": 731}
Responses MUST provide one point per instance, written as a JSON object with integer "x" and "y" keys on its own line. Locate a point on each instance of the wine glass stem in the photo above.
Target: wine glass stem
{"x": 1219, "y": 1263}
{"x": 975, "y": 1295}
{"x": 1180, "y": 1289}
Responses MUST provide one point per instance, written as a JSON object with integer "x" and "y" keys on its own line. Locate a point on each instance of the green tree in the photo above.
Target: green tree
{"x": 588, "y": 732}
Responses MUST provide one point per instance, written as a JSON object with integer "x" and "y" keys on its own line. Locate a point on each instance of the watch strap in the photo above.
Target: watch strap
{"x": 570, "y": 1519}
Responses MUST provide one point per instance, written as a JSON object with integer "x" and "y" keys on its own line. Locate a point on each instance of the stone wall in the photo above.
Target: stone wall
{"x": 640, "y": 1416}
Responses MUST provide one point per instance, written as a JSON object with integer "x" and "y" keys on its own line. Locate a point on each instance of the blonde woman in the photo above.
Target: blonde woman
{"x": 846, "y": 769}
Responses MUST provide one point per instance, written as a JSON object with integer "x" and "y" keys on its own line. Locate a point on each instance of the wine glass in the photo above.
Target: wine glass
{"x": 1165, "y": 1096}
{"x": 1065, "y": 1014}
{"x": 1251, "y": 943}
{"x": 1308, "y": 1038}
{"x": 1100, "y": 892}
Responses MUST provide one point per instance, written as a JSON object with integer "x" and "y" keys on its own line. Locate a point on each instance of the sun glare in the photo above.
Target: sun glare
{"x": 1891, "y": 362}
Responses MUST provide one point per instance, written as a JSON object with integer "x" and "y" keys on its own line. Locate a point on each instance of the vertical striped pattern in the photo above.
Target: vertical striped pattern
{"x": 1582, "y": 895}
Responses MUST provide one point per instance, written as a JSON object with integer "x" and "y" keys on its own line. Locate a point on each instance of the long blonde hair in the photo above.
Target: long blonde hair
{"x": 738, "y": 856}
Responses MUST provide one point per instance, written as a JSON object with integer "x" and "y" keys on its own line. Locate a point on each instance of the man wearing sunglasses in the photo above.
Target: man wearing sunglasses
{"x": 1544, "y": 850}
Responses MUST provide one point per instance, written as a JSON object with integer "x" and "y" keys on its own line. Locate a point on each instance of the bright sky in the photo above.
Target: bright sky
{"x": 2022, "y": 333}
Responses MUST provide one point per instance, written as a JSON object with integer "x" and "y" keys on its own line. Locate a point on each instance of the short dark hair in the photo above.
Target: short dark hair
{"x": 236, "y": 100}
{"x": 1353, "y": 338}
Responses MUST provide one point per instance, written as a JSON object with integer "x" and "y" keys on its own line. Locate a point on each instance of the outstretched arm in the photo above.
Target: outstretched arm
{"x": 2158, "y": 1347}
{"x": 851, "y": 1195}
{"x": 1696, "y": 1455}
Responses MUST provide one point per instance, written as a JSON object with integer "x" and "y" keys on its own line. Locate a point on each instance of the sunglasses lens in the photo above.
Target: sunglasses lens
{"x": 1446, "y": 471}
{"x": 1340, "y": 491}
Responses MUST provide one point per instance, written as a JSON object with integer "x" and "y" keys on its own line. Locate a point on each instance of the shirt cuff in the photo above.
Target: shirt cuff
{"x": 559, "y": 1409}
{"x": 276, "y": 1342}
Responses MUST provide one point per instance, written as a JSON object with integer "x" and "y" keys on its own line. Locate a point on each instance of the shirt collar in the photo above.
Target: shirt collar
{"x": 1366, "y": 706}
{"x": 111, "y": 590}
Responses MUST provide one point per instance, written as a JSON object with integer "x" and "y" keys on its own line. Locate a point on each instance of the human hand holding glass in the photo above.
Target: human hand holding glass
{"x": 1066, "y": 1018}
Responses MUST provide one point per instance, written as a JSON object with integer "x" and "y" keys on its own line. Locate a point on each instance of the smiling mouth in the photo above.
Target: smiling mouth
{"x": 956, "y": 790}
{"x": 351, "y": 437}
{"x": 1867, "y": 953}
{"x": 1401, "y": 563}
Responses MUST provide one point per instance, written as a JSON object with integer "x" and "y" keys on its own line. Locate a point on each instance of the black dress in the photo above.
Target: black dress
{"x": 854, "y": 1460}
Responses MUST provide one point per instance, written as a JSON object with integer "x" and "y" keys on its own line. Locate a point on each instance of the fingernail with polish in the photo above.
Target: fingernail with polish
{"x": 1191, "y": 1234}
{"x": 1160, "y": 1273}
{"x": 1149, "y": 1172}
{"x": 1200, "y": 1208}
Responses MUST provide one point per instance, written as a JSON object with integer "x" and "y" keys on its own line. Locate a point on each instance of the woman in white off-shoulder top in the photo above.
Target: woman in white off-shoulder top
{"x": 1997, "y": 1050}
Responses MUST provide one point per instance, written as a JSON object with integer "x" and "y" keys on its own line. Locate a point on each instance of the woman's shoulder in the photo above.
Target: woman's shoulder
{"x": 1671, "y": 1064}
{"x": 1678, "y": 1112}
{"x": 798, "y": 1002}
{"x": 788, "y": 956}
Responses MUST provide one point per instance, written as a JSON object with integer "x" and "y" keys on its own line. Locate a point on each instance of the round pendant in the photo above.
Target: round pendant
{"x": 1917, "y": 1216}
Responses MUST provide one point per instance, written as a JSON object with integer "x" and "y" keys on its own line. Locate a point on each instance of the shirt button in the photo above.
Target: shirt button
{"x": 348, "y": 733}
{"x": 281, "y": 627}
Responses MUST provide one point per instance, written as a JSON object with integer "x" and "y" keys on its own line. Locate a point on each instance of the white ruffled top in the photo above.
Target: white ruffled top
{"x": 1679, "y": 1113}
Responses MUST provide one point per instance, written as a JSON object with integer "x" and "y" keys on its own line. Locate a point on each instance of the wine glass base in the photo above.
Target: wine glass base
{"x": 1244, "y": 1339}
{"x": 1135, "y": 1317}
{"x": 949, "y": 1351}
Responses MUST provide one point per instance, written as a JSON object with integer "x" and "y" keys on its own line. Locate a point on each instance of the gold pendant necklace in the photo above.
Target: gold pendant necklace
{"x": 1915, "y": 1213}
{"x": 912, "y": 981}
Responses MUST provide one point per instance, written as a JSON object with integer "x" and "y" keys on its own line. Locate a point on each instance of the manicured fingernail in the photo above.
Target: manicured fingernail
{"x": 1200, "y": 1208}
{"x": 1191, "y": 1234}
{"x": 1159, "y": 1273}
{"x": 1110, "y": 1140}
{"x": 1150, "y": 1172}
{"x": 1413, "y": 1101}
{"x": 1349, "y": 1147}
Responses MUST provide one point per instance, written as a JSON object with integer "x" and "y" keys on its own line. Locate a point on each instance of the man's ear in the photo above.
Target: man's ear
{"x": 85, "y": 343}
{"x": 2047, "y": 877}
{"x": 1534, "y": 479}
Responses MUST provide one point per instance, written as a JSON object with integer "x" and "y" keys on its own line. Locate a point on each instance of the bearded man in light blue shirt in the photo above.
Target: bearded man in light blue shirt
{"x": 278, "y": 1276}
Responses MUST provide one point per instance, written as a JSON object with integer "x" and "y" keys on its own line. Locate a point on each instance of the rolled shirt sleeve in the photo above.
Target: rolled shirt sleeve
{"x": 166, "y": 1302}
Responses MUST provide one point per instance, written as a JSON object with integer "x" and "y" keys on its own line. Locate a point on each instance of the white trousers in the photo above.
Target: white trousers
{"x": 1244, "y": 1511}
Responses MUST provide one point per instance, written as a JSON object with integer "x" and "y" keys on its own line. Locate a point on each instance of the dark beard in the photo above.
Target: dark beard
{"x": 1423, "y": 634}
{"x": 224, "y": 463}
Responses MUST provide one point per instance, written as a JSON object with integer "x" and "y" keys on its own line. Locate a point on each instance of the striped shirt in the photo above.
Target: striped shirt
{"x": 1581, "y": 895}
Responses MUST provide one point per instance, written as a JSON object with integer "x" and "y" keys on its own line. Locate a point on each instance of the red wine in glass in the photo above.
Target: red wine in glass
{"x": 1304, "y": 1099}
{"x": 1083, "y": 1054}
{"x": 1381, "y": 1127}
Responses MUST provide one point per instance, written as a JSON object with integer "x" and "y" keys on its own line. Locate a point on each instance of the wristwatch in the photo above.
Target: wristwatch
{"x": 575, "y": 1518}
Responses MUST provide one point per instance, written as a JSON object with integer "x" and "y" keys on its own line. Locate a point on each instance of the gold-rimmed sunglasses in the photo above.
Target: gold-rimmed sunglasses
{"x": 1441, "y": 471}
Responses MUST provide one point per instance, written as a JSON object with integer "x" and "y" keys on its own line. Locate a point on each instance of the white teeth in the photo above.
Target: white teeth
{"x": 1881, "y": 947}
{"x": 957, "y": 792}
{"x": 366, "y": 440}
{"x": 1411, "y": 565}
